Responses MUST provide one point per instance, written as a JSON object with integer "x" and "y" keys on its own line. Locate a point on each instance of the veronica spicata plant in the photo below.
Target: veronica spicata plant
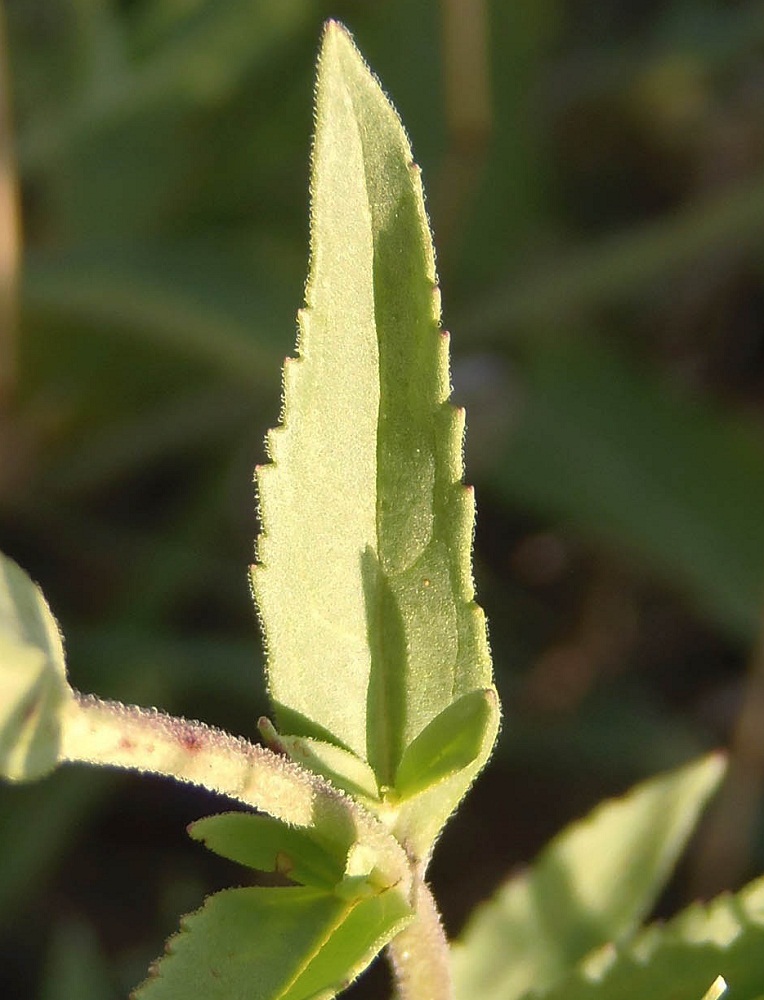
{"x": 378, "y": 669}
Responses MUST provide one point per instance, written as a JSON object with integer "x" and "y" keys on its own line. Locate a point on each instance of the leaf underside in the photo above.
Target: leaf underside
{"x": 363, "y": 579}
{"x": 593, "y": 884}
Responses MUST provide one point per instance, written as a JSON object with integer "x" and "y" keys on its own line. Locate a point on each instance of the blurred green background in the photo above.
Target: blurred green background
{"x": 596, "y": 184}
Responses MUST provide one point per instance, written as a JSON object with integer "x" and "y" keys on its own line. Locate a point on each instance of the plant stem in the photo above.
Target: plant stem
{"x": 145, "y": 740}
{"x": 419, "y": 955}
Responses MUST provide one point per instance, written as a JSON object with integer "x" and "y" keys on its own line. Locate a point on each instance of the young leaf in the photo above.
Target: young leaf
{"x": 591, "y": 885}
{"x": 340, "y": 766}
{"x": 451, "y": 742}
{"x": 273, "y": 944}
{"x": 268, "y": 845}
{"x": 363, "y": 578}
{"x": 680, "y": 958}
{"x": 34, "y": 692}
{"x": 419, "y": 818}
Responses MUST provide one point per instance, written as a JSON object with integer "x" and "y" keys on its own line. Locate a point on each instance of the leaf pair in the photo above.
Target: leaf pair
{"x": 286, "y": 943}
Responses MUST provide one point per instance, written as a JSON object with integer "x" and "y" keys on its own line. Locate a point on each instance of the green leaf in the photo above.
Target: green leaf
{"x": 266, "y": 844}
{"x": 341, "y": 767}
{"x": 34, "y": 692}
{"x": 273, "y": 944}
{"x": 451, "y": 742}
{"x": 679, "y": 959}
{"x": 369, "y": 925}
{"x": 591, "y": 885}
{"x": 363, "y": 579}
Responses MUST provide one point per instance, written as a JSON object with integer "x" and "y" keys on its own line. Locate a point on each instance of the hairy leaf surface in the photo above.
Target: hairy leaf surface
{"x": 363, "y": 579}
{"x": 273, "y": 944}
{"x": 591, "y": 885}
{"x": 340, "y": 766}
{"x": 268, "y": 845}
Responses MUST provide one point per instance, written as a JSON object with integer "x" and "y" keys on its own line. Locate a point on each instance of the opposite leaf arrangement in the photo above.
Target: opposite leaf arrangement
{"x": 379, "y": 671}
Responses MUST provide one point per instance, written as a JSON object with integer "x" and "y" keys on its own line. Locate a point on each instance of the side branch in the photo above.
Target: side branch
{"x": 145, "y": 740}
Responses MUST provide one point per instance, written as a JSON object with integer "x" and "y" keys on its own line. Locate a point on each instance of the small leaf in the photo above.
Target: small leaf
{"x": 342, "y": 767}
{"x": 34, "y": 692}
{"x": 266, "y": 844}
{"x": 591, "y": 885}
{"x": 272, "y": 944}
{"x": 363, "y": 579}
{"x": 420, "y": 818}
{"x": 451, "y": 742}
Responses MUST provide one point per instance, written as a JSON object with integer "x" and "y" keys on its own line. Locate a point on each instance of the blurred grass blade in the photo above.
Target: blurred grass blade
{"x": 607, "y": 449}
{"x": 621, "y": 265}
{"x": 203, "y": 62}
{"x": 76, "y": 968}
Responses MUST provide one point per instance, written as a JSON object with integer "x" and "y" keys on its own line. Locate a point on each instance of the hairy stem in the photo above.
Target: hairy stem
{"x": 145, "y": 740}
{"x": 419, "y": 955}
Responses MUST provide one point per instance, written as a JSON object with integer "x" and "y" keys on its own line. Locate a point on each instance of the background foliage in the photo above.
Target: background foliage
{"x": 596, "y": 183}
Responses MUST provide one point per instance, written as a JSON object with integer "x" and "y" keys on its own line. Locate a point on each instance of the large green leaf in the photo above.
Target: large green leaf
{"x": 273, "y": 944}
{"x": 363, "y": 578}
{"x": 33, "y": 687}
{"x": 591, "y": 885}
{"x": 680, "y": 959}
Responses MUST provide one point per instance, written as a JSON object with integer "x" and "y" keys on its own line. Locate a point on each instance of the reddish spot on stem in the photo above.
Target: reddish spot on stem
{"x": 30, "y": 709}
{"x": 126, "y": 743}
{"x": 190, "y": 741}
